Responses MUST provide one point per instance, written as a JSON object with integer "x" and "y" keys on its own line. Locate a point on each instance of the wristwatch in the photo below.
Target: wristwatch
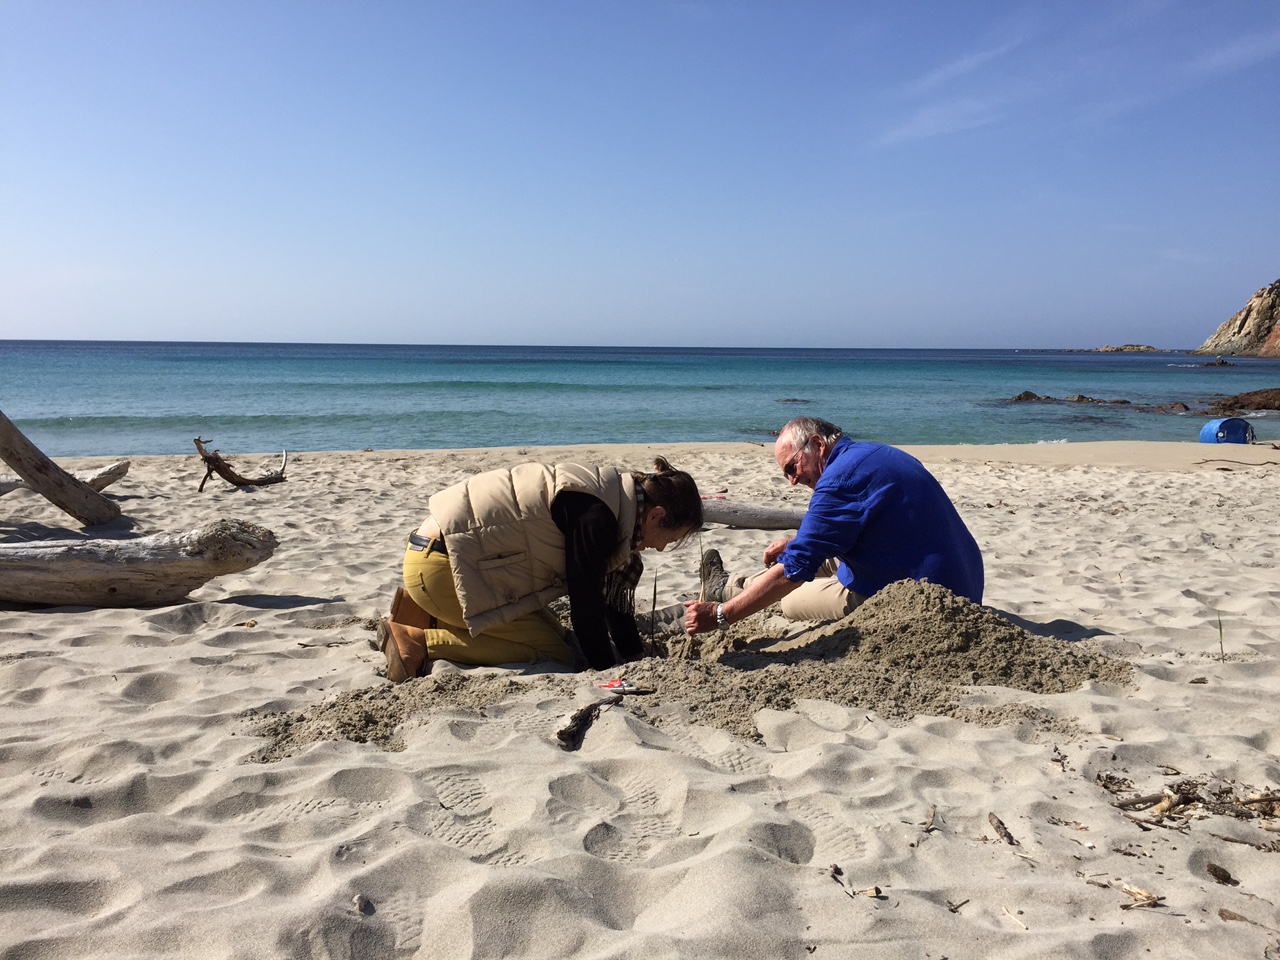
{"x": 721, "y": 622}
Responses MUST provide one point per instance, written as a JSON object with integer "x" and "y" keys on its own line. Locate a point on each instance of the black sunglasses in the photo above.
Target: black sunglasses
{"x": 790, "y": 468}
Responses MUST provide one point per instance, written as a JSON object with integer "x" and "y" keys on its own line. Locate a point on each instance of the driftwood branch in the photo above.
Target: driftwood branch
{"x": 572, "y": 733}
{"x": 98, "y": 479}
{"x": 52, "y": 482}
{"x": 750, "y": 517}
{"x": 214, "y": 463}
{"x": 148, "y": 571}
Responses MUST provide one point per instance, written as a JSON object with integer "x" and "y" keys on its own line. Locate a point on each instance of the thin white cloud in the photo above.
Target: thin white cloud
{"x": 952, "y": 116}
{"x": 1194, "y": 258}
{"x": 1104, "y": 111}
{"x": 950, "y": 72}
{"x": 1239, "y": 54}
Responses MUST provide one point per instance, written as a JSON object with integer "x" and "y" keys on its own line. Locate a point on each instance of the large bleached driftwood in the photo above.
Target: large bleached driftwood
{"x": 751, "y": 517}
{"x": 98, "y": 479}
{"x": 52, "y": 482}
{"x": 148, "y": 571}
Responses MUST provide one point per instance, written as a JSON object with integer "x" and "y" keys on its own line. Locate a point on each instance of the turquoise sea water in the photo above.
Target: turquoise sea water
{"x": 79, "y": 398}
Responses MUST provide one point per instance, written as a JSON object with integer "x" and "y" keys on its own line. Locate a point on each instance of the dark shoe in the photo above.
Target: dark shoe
{"x": 405, "y": 649}
{"x": 713, "y": 576}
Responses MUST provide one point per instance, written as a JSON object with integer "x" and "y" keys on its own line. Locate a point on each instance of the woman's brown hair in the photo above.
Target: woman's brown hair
{"x": 674, "y": 491}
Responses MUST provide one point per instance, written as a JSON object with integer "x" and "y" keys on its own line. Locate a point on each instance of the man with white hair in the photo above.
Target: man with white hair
{"x": 876, "y": 516}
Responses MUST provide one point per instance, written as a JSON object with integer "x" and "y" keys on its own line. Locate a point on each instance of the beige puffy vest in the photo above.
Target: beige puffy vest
{"x": 506, "y": 552}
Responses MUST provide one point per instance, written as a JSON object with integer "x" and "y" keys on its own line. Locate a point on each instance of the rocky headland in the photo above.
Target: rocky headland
{"x": 1253, "y": 332}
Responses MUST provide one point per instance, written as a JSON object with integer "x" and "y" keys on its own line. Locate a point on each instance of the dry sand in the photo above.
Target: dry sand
{"x": 231, "y": 777}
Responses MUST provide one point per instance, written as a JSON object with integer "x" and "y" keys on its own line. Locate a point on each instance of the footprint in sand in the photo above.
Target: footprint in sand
{"x": 835, "y": 839}
{"x": 642, "y": 823}
{"x": 464, "y": 818}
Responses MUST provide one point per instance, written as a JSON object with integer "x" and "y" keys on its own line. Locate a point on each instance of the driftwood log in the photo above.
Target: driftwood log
{"x": 214, "y": 463}
{"x": 52, "y": 482}
{"x": 146, "y": 572}
{"x": 98, "y": 479}
{"x": 749, "y": 517}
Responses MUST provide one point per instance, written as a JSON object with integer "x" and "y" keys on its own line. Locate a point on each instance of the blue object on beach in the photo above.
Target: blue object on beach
{"x": 1227, "y": 430}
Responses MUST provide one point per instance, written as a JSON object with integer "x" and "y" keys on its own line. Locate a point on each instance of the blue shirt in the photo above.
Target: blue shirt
{"x": 885, "y": 518}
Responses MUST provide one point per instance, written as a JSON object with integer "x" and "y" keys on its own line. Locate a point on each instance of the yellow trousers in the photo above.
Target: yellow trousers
{"x": 526, "y": 639}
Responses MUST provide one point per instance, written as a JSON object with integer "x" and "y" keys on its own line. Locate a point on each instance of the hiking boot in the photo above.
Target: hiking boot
{"x": 405, "y": 648}
{"x": 713, "y": 576}
{"x": 665, "y": 621}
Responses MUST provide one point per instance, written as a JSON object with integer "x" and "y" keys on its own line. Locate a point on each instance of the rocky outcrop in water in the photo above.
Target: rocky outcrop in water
{"x": 1028, "y": 396}
{"x": 1244, "y": 402}
{"x": 1254, "y": 331}
{"x": 1233, "y": 406}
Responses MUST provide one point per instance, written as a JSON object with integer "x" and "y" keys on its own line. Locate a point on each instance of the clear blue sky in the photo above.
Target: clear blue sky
{"x": 827, "y": 173}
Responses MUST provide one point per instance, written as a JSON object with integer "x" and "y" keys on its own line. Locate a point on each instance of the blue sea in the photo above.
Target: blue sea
{"x": 82, "y": 398}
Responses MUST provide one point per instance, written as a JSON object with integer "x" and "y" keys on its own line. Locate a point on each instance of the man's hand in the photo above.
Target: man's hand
{"x": 699, "y": 617}
{"x": 774, "y": 550}
{"x": 769, "y": 587}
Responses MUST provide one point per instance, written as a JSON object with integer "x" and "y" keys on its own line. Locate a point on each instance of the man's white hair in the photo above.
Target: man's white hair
{"x": 798, "y": 431}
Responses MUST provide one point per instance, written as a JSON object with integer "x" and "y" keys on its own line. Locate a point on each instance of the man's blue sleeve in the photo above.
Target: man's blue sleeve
{"x": 830, "y": 528}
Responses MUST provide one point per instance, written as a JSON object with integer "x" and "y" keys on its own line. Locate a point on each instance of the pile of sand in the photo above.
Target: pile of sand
{"x": 912, "y": 648}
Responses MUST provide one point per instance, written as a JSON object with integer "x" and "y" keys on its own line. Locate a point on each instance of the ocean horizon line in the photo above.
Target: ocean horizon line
{"x": 718, "y": 348}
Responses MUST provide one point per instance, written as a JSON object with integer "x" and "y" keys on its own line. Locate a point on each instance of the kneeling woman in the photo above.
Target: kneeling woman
{"x": 498, "y": 547}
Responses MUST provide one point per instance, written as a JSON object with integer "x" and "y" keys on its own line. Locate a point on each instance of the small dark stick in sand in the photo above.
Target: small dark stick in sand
{"x": 653, "y": 610}
{"x": 1221, "y": 874}
{"x": 1002, "y": 830}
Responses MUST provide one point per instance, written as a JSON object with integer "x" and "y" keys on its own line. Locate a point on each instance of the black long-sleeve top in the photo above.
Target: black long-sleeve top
{"x": 590, "y": 536}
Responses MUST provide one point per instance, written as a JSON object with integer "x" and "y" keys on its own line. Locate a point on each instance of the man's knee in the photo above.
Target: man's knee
{"x": 825, "y": 598}
{"x": 733, "y": 586}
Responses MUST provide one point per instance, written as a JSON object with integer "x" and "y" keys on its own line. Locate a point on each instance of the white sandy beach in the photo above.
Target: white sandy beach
{"x": 139, "y": 819}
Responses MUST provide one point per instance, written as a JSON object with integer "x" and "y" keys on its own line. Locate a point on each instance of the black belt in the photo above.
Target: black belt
{"x": 431, "y": 545}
